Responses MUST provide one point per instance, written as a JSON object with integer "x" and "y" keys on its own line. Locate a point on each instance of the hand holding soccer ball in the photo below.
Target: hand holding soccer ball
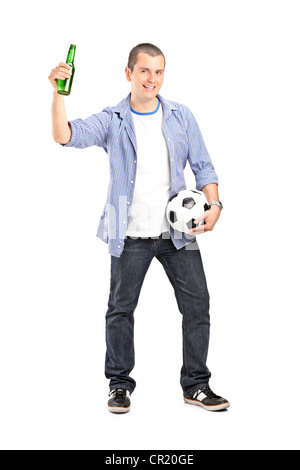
{"x": 189, "y": 212}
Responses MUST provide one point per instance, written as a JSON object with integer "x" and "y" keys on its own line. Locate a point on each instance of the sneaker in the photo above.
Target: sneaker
{"x": 119, "y": 401}
{"x": 207, "y": 399}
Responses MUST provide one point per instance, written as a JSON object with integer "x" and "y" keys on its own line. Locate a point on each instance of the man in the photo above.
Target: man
{"x": 148, "y": 140}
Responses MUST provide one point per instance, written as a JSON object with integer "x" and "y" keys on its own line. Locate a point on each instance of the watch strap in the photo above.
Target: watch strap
{"x": 216, "y": 203}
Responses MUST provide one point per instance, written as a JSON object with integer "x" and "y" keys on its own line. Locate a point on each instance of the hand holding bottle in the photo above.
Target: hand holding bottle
{"x": 61, "y": 72}
{"x": 62, "y": 77}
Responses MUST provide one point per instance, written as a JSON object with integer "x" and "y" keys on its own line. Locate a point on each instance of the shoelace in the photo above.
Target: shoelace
{"x": 118, "y": 392}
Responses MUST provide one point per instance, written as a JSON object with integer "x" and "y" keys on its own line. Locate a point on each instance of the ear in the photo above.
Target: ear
{"x": 128, "y": 74}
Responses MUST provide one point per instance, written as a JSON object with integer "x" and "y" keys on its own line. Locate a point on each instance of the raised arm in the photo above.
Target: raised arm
{"x": 61, "y": 130}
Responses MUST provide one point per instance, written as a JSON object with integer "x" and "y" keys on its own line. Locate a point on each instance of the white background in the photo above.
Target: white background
{"x": 235, "y": 63}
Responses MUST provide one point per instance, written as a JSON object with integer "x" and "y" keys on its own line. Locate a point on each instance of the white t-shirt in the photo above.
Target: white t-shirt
{"x": 153, "y": 177}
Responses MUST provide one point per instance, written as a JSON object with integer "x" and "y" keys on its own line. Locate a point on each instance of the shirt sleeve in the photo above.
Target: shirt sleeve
{"x": 198, "y": 156}
{"x": 90, "y": 131}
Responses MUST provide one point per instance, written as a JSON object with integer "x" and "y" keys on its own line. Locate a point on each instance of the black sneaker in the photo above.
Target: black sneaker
{"x": 119, "y": 401}
{"x": 207, "y": 399}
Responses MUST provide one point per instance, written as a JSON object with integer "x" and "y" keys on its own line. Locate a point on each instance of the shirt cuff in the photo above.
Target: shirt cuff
{"x": 205, "y": 181}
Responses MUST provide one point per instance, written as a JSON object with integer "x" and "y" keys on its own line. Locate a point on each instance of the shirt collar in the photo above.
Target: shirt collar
{"x": 123, "y": 108}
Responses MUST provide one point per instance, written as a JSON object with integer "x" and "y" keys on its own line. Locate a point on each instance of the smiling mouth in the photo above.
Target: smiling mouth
{"x": 149, "y": 88}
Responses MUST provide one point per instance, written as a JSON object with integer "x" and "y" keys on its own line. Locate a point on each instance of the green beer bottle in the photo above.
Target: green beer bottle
{"x": 64, "y": 86}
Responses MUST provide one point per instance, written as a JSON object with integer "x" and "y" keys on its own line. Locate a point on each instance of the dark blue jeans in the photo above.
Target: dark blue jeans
{"x": 185, "y": 271}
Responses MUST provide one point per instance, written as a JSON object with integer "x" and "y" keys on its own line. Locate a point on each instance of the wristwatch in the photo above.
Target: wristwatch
{"x": 216, "y": 203}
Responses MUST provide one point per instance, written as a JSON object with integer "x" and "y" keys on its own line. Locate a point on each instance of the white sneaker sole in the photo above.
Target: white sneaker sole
{"x": 223, "y": 406}
{"x": 120, "y": 410}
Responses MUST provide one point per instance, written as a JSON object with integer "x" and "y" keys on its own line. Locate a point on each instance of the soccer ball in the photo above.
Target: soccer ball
{"x": 184, "y": 207}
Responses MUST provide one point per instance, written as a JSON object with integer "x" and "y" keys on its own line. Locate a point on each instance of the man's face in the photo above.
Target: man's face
{"x": 147, "y": 77}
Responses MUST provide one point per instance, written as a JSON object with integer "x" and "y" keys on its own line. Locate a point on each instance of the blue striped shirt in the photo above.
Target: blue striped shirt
{"x": 113, "y": 130}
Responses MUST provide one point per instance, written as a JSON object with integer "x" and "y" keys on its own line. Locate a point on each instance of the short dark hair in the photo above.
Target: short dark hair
{"x": 146, "y": 48}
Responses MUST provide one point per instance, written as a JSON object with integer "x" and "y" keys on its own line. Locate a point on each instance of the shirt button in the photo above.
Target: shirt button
{"x": 131, "y": 181}
{"x": 119, "y": 246}
{"x": 124, "y": 222}
{"x": 134, "y": 161}
{"x": 128, "y": 202}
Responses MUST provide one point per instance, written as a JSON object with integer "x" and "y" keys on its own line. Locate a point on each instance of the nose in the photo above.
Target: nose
{"x": 151, "y": 77}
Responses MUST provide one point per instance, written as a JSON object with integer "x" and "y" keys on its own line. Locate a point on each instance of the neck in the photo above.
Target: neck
{"x": 143, "y": 107}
